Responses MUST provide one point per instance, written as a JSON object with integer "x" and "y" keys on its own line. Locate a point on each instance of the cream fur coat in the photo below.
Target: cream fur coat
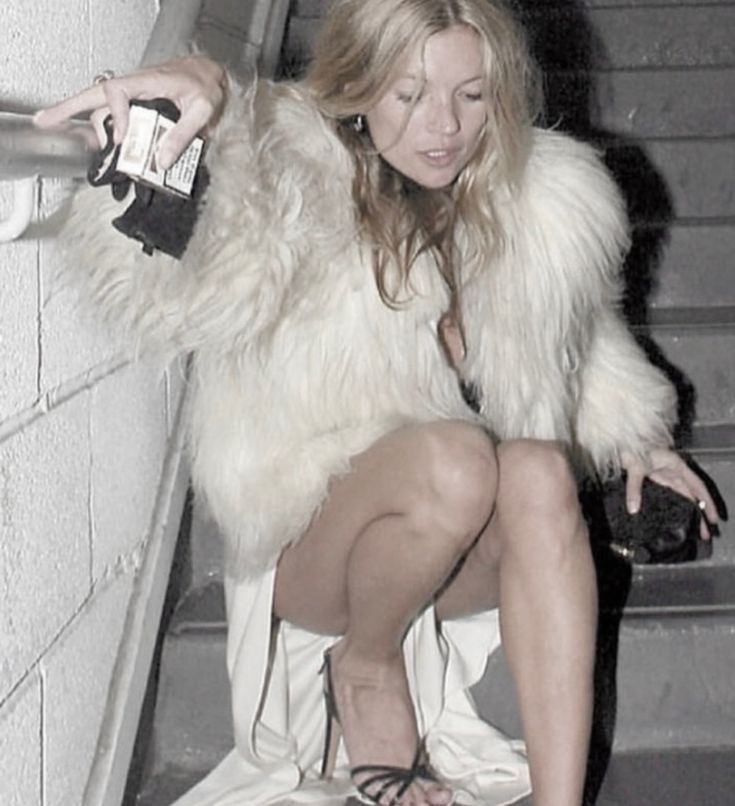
{"x": 299, "y": 365}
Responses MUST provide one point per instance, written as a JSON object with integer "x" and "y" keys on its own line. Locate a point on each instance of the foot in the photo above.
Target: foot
{"x": 378, "y": 723}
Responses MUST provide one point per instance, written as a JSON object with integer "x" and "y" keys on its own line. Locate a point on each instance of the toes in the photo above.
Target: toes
{"x": 438, "y": 795}
{"x": 429, "y": 795}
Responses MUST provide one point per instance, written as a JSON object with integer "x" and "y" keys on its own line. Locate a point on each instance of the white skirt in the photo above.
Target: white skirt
{"x": 279, "y": 715}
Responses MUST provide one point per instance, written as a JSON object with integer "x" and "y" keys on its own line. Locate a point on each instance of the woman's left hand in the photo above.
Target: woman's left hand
{"x": 668, "y": 468}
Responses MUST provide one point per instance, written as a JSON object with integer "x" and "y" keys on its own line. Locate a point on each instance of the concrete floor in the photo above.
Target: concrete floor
{"x": 672, "y": 778}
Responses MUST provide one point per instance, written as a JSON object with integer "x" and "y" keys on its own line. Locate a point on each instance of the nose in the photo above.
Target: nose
{"x": 443, "y": 118}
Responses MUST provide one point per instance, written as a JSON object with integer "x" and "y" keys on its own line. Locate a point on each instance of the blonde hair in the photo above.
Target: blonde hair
{"x": 355, "y": 57}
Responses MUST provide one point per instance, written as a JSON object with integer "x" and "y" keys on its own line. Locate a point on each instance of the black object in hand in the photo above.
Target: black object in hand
{"x": 664, "y": 530}
{"x": 159, "y": 220}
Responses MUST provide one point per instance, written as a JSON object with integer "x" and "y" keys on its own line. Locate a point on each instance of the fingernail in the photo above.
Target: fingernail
{"x": 633, "y": 506}
{"x": 164, "y": 157}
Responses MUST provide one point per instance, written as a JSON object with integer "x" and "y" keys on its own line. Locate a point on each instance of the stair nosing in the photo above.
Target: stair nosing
{"x": 687, "y": 318}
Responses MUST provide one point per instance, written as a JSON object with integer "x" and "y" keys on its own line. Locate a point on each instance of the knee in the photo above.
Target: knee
{"x": 459, "y": 480}
{"x": 538, "y": 489}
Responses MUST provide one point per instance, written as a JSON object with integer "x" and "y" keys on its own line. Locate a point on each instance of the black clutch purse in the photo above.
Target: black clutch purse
{"x": 664, "y": 530}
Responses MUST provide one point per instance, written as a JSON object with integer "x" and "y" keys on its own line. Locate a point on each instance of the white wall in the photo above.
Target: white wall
{"x": 82, "y": 441}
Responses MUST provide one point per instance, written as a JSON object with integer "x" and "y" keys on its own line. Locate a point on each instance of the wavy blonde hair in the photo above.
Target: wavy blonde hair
{"x": 356, "y": 55}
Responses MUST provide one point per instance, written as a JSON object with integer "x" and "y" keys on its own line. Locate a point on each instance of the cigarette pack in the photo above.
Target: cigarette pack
{"x": 137, "y": 157}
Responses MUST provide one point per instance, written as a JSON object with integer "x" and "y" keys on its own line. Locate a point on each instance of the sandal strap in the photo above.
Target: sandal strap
{"x": 377, "y": 786}
{"x": 384, "y": 777}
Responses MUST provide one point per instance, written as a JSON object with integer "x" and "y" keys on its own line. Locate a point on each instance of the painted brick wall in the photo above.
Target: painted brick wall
{"x": 83, "y": 434}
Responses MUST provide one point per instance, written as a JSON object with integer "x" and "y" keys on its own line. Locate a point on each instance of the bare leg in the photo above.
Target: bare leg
{"x": 380, "y": 548}
{"x": 534, "y": 559}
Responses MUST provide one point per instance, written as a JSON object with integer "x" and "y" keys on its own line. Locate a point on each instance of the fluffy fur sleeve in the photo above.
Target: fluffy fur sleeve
{"x": 256, "y": 229}
{"x": 625, "y": 403}
{"x": 546, "y": 344}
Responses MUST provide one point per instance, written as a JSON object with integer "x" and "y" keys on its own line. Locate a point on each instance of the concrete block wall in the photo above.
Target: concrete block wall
{"x": 83, "y": 436}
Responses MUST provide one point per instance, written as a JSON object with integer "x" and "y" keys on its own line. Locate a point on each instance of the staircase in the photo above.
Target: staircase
{"x": 653, "y": 84}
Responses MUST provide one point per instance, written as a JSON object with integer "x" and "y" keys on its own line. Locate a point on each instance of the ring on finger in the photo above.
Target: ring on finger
{"x": 104, "y": 75}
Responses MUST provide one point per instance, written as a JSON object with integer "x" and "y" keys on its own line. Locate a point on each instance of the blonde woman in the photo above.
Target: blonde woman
{"x": 374, "y": 237}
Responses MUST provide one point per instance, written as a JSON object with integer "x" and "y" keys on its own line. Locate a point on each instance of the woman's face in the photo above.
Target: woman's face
{"x": 431, "y": 139}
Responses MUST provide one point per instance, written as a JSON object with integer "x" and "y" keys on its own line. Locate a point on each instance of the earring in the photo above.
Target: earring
{"x": 358, "y": 124}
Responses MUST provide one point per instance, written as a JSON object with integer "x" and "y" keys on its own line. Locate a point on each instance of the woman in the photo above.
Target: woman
{"x": 373, "y": 238}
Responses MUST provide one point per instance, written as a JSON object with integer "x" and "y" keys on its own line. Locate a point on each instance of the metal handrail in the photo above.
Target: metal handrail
{"x": 27, "y": 151}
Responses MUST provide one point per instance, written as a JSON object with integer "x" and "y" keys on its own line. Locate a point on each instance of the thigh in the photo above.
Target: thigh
{"x": 388, "y": 479}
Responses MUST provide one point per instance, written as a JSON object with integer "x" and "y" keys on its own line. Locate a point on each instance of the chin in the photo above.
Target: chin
{"x": 436, "y": 180}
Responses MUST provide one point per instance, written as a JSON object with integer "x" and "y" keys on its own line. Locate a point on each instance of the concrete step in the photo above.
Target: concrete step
{"x": 700, "y": 777}
{"x": 192, "y": 729}
{"x": 165, "y": 787}
{"x": 318, "y": 8}
{"x": 207, "y": 549}
{"x": 673, "y": 688}
{"x": 689, "y": 263}
{"x": 664, "y": 103}
{"x": 713, "y": 448}
{"x": 566, "y": 37}
{"x": 699, "y": 356}
{"x": 665, "y": 181}
{"x": 674, "y": 655}
{"x": 662, "y": 683}
{"x": 670, "y": 778}
{"x": 700, "y": 589}
{"x": 569, "y": 37}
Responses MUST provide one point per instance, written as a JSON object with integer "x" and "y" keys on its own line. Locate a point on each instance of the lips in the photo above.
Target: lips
{"x": 440, "y": 157}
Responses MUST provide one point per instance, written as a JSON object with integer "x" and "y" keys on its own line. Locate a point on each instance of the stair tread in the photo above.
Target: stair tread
{"x": 163, "y": 789}
{"x": 712, "y": 439}
{"x": 201, "y": 609}
{"x": 690, "y": 318}
{"x": 683, "y": 221}
{"x": 677, "y": 590}
{"x": 684, "y": 777}
{"x": 693, "y": 589}
{"x": 687, "y": 777}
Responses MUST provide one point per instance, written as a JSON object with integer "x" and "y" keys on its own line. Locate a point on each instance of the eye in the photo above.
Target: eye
{"x": 408, "y": 97}
{"x": 472, "y": 96}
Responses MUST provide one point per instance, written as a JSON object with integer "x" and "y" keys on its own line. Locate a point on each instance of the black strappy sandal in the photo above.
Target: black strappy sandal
{"x": 381, "y": 778}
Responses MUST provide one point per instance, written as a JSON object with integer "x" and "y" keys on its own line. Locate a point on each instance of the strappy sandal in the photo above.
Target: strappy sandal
{"x": 381, "y": 779}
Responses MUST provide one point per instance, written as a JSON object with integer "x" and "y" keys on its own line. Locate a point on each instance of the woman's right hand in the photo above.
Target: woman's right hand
{"x": 196, "y": 84}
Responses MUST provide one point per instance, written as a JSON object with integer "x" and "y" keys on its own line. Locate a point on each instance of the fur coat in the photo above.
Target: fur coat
{"x": 298, "y": 364}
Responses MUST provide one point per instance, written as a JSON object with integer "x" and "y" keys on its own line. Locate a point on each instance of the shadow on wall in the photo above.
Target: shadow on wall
{"x": 569, "y": 51}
